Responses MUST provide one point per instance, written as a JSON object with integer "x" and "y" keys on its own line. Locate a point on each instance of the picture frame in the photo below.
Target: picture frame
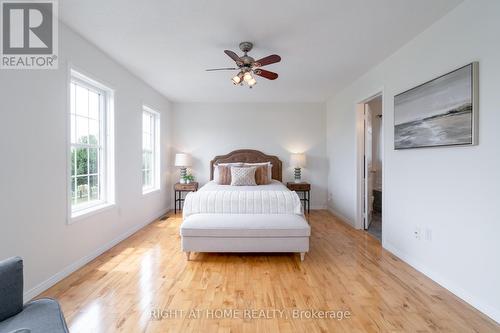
{"x": 441, "y": 112}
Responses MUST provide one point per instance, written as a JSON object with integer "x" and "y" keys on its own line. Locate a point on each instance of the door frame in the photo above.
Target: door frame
{"x": 368, "y": 177}
{"x": 360, "y": 151}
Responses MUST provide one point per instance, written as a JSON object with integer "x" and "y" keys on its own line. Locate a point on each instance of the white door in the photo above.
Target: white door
{"x": 368, "y": 173}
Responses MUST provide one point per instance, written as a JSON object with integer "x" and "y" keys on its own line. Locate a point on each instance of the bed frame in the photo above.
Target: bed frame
{"x": 249, "y": 156}
{"x": 194, "y": 236}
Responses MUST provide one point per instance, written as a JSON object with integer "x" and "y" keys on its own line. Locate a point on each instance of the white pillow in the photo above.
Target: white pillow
{"x": 243, "y": 176}
{"x": 216, "y": 170}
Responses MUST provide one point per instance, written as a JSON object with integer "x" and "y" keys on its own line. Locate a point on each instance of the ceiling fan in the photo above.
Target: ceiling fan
{"x": 248, "y": 66}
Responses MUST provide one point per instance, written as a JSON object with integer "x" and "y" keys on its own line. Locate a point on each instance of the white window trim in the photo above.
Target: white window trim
{"x": 156, "y": 152}
{"x": 107, "y": 127}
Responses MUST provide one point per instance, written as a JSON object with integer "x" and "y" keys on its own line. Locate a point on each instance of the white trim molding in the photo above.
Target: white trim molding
{"x": 487, "y": 309}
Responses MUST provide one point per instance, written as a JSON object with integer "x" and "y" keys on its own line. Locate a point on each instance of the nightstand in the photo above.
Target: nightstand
{"x": 179, "y": 189}
{"x": 305, "y": 189}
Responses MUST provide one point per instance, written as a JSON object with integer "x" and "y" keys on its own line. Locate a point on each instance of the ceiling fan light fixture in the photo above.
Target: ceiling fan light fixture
{"x": 251, "y": 82}
{"x": 247, "y": 77}
{"x": 236, "y": 79}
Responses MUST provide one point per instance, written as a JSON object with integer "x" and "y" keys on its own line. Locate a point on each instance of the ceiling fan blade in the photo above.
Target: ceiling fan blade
{"x": 221, "y": 69}
{"x": 266, "y": 74}
{"x": 273, "y": 58}
{"x": 234, "y": 56}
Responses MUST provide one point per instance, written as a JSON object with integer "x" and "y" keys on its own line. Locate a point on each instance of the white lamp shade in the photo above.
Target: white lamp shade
{"x": 298, "y": 160}
{"x": 182, "y": 160}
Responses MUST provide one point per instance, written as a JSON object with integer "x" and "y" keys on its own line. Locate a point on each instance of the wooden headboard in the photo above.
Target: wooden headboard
{"x": 248, "y": 156}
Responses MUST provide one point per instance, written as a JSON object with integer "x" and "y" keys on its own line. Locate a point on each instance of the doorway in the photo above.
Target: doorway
{"x": 370, "y": 165}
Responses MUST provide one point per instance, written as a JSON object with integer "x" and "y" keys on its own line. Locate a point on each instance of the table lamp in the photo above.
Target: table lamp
{"x": 182, "y": 160}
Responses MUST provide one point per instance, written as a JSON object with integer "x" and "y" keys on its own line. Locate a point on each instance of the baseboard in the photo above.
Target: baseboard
{"x": 341, "y": 217}
{"x": 38, "y": 289}
{"x": 486, "y": 309}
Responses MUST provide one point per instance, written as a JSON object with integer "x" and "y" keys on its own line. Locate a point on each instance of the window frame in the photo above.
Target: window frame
{"x": 106, "y": 144}
{"x": 156, "y": 153}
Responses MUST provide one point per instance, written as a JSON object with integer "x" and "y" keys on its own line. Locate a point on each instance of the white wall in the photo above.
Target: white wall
{"x": 209, "y": 129}
{"x": 451, "y": 191}
{"x": 33, "y": 146}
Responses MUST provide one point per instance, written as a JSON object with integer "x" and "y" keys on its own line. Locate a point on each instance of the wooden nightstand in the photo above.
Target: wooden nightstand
{"x": 305, "y": 189}
{"x": 179, "y": 189}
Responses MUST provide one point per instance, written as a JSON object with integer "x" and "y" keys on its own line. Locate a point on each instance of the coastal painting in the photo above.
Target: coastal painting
{"x": 440, "y": 112}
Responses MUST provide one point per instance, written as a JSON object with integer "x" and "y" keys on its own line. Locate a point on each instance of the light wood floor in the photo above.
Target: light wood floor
{"x": 345, "y": 270}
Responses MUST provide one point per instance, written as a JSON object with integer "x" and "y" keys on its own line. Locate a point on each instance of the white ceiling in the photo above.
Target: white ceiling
{"x": 324, "y": 44}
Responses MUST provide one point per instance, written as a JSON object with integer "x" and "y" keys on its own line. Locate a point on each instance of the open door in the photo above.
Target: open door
{"x": 369, "y": 179}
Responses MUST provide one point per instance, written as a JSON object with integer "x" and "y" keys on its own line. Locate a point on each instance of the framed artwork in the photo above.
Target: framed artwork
{"x": 440, "y": 112}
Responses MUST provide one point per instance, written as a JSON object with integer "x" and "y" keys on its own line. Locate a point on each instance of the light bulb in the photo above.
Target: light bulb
{"x": 236, "y": 79}
{"x": 247, "y": 77}
{"x": 251, "y": 82}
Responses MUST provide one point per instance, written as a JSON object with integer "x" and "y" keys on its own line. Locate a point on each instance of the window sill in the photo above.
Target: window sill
{"x": 85, "y": 213}
{"x": 150, "y": 191}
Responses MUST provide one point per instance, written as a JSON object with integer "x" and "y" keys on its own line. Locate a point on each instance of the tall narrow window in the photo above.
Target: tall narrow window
{"x": 91, "y": 164}
{"x": 150, "y": 150}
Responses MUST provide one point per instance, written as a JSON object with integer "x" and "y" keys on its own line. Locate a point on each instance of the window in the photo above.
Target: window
{"x": 150, "y": 150}
{"x": 91, "y": 162}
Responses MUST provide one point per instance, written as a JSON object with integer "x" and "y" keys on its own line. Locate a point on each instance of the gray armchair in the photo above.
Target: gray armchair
{"x": 39, "y": 316}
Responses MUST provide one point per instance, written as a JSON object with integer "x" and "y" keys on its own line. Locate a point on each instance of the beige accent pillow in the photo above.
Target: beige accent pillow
{"x": 243, "y": 176}
{"x": 261, "y": 174}
{"x": 223, "y": 174}
{"x": 269, "y": 168}
{"x": 227, "y": 179}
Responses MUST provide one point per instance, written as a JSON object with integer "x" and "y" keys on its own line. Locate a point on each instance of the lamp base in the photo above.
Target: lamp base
{"x": 297, "y": 176}
{"x": 183, "y": 174}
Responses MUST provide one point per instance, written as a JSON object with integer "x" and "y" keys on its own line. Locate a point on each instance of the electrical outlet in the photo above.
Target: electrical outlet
{"x": 417, "y": 233}
{"x": 428, "y": 234}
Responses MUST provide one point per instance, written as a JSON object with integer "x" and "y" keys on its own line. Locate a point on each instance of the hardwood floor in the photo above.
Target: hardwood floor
{"x": 345, "y": 270}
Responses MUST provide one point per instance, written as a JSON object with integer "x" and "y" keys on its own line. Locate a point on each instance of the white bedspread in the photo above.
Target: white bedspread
{"x": 273, "y": 186}
{"x": 274, "y": 198}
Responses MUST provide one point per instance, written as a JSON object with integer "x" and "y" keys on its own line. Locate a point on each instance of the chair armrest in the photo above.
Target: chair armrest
{"x": 11, "y": 287}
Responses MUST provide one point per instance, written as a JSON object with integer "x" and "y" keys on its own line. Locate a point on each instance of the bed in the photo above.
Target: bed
{"x": 238, "y": 219}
